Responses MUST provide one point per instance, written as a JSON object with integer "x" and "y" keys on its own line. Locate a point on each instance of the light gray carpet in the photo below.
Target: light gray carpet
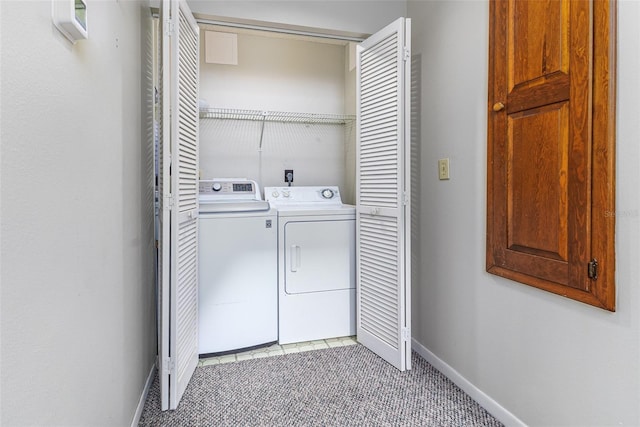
{"x": 344, "y": 386}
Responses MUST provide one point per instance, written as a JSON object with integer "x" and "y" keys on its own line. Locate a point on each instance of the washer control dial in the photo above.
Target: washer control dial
{"x": 216, "y": 186}
{"x": 275, "y": 193}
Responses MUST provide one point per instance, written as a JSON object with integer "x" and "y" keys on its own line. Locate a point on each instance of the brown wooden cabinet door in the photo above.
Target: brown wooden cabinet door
{"x": 544, "y": 137}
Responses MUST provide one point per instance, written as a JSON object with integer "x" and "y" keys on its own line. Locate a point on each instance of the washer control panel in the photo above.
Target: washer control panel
{"x": 228, "y": 188}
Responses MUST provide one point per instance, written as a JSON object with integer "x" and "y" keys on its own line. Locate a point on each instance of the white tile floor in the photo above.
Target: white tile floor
{"x": 278, "y": 349}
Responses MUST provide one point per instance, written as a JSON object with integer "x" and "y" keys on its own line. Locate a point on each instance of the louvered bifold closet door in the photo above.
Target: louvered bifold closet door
{"x": 164, "y": 209}
{"x": 383, "y": 167}
{"x": 182, "y": 33}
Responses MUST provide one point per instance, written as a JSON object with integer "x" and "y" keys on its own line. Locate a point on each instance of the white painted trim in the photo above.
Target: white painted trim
{"x": 272, "y": 27}
{"x": 143, "y": 397}
{"x": 493, "y": 407}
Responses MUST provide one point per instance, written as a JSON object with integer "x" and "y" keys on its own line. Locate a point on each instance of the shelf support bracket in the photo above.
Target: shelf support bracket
{"x": 264, "y": 118}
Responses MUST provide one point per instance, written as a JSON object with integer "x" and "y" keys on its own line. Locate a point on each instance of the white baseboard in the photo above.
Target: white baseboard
{"x": 143, "y": 398}
{"x": 493, "y": 407}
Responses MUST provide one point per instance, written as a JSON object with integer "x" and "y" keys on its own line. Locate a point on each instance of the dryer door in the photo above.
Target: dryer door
{"x": 319, "y": 256}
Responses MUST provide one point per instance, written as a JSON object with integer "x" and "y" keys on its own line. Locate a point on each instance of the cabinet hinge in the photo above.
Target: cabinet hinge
{"x": 168, "y": 202}
{"x": 592, "y": 269}
{"x": 407, "y": 54}
{"x": 169, "y": 27}
{"x": 405, "y": 198}
{"x": 406, "y": 334}
{"x": 169, "y": 365}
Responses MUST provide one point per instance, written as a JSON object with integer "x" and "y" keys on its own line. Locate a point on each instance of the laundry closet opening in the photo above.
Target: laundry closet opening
{"x": 277, "y": 111}
{"x": 273, "y": 102}
{"x": 322, "y": 127}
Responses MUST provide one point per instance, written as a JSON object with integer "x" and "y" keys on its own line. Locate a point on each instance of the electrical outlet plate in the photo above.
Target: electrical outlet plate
{"x": 443, "y": 169}
{"x": 286, "y": 173}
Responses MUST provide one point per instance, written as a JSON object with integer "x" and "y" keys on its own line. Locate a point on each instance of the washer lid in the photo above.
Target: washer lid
{"x": 234, "y": 206}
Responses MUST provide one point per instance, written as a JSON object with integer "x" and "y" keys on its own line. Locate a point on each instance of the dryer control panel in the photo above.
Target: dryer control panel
{"x": 308, "y": 195}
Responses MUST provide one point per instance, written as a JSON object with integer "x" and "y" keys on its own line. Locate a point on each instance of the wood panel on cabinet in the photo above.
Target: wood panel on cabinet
{"x": 551, "y": 146}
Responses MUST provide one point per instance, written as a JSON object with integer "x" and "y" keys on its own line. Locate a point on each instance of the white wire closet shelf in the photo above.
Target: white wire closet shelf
{"x": 275, "y": 116}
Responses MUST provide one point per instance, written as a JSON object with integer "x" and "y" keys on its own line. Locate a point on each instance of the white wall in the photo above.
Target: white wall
{"x": 546, "y": 359}
{"x": 279, "y": 74}
{"x": 78, "y": 338}
{"x": 275, "y": 74}
{"x": 349, "y": 192}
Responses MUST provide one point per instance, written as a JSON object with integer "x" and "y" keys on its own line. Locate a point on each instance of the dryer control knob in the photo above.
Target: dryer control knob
{"x": 327, "y": 193}
{"x": 286, "y": 194}
{"x": 216, "y": 186}
{"x": 275, "y": 194}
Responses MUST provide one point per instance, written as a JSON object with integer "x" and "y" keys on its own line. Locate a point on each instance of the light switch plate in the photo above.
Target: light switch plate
{"x": 443, "y": 168}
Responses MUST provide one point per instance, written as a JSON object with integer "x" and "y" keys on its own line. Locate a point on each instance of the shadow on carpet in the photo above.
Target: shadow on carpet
{"x": 344, "y": 386}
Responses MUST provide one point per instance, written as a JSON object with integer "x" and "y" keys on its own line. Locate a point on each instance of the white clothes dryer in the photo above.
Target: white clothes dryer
{"x": 316, "y": 263}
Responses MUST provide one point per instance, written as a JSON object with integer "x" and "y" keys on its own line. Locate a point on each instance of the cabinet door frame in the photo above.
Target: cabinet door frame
{"x": 600, "y": 209}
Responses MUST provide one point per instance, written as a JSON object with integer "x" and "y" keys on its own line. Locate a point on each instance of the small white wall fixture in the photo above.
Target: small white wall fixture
{"x": 221, "y": 48}
{"x": 70, "y": 18}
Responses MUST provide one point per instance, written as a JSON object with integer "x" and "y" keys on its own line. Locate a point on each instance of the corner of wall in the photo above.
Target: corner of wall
{"x": 493, "y": 407}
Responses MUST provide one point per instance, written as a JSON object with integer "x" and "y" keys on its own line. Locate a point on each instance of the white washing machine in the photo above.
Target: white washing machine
{"x": 316, "y": 263}
{"x": 238, "y": 274}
